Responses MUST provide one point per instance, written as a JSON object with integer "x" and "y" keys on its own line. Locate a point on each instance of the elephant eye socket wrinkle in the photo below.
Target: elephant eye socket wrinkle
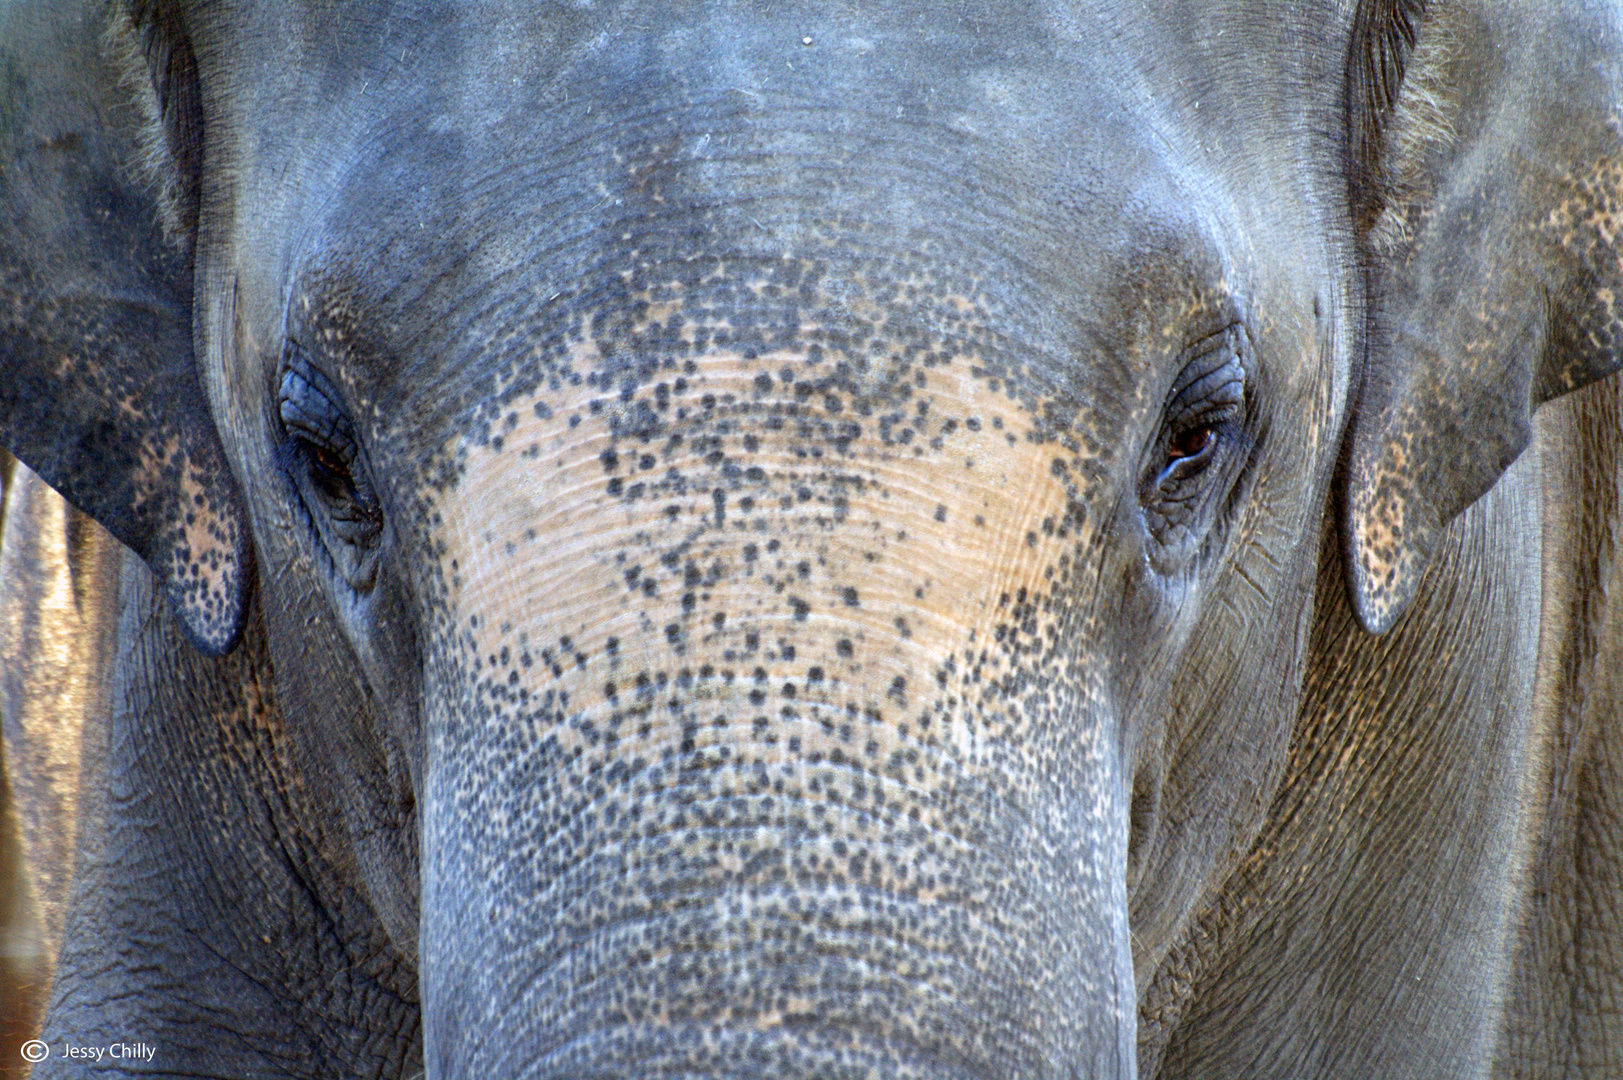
{"x": 322, "y": 456}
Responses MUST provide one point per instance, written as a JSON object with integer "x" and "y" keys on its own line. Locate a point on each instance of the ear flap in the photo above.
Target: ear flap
{"x": 99, "y": 391}
{"x": 1487, "y": 187}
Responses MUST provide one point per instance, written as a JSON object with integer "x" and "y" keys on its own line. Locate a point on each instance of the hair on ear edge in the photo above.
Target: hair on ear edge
{"x": 158, "y": 77}
{"x": 1383, "y": 36}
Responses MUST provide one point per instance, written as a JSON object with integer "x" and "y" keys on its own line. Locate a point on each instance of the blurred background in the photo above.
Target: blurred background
{"x": 22, "y": 959}
{"x": 22, "y": 956}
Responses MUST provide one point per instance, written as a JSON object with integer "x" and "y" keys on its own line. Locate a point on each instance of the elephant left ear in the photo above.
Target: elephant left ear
{"x": 1486, "y": 156}
{"x": 99, "y": 388}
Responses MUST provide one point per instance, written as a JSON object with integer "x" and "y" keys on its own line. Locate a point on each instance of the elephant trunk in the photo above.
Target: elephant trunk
{"x": 767, "y": 727}
{"x": 713, "y": 905}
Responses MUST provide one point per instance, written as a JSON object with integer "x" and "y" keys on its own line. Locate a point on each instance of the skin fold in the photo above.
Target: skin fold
{"x": 706, "y": 539}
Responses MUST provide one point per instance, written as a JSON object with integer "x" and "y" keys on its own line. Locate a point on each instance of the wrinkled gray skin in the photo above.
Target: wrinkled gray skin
{"x": 706, "y": 539}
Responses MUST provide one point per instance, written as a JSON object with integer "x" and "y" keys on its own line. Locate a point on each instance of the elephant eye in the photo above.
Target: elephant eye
{"x": 1206, "y": 402}
{"x": 1195, "y": 457}
{"x": 328, "y": 472}
{"x": 1192, "y": 443}
{"x": 322, "y": 456}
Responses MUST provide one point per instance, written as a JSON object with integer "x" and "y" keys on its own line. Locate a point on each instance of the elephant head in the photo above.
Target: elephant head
{"x": 785, "y": 541}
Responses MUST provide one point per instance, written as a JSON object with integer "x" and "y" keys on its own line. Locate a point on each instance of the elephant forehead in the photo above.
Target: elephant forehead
{"x": 759, "y": 532}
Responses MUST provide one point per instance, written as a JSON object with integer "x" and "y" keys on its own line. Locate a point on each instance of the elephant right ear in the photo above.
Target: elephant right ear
{"x": 1485, "y": 149}
{"x": 99, "y": 388}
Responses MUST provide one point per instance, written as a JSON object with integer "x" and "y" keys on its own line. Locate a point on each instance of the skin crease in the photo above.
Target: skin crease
{"x": 742, "y": 584}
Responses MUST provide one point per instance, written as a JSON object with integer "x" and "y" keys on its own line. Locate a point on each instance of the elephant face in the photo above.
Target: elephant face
{"x": 766, "y": 523}
{"x": 773, "y": 497}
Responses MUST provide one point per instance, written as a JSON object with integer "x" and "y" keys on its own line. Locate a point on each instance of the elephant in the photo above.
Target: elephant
{"x": 715, "y": 538}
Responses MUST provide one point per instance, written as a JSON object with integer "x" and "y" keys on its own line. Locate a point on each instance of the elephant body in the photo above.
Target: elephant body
{"x": 707, "y": 540}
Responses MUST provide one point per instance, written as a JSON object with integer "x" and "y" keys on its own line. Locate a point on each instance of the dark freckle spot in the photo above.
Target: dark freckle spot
{"x": 718, "y": 620}
{"x": 973, "y": 423}
{"x": 611, "y": 646}
{"x": 673, "y": 631}
{"x": 980, "y": 520}
{"x": 763, "y": 383}
{"x": 574, "y": 421}
{"x": 941, "y": 511}
{"x": 610, "y": 460}
{"x": 1031, "y": 539}
{"x": 646, "y": 461}
{"x": 803, "y": 568}
{"x": 849, "y": 595}
{"x": 751, "y": 443}
{"x": 800, "y": 608}
{"x": 843, "y": 647}
{"x": 688, "y": 601}
{"x": 614, "y": 485}
{"x": 496, "y": 443}
{"x": 750, "y": 553}
{"x": 772, "y": 546}
{"x": 814, "y": 674}
{"x": 609, "y": 690}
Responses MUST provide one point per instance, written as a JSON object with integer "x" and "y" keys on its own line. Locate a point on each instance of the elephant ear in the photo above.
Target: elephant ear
{"x": 1486, "y": 168}
{"x": 99, "y": 388}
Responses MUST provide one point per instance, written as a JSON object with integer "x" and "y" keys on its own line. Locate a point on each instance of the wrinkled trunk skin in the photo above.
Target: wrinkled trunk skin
{"x": 721, "y": 779}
